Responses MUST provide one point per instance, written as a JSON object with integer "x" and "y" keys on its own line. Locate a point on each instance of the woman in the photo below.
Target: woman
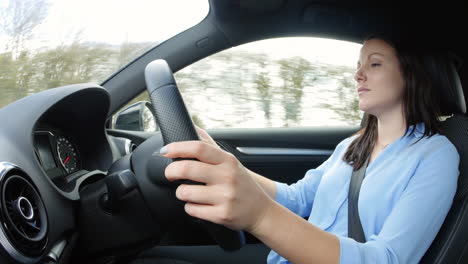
{"x": 408, "y": 189}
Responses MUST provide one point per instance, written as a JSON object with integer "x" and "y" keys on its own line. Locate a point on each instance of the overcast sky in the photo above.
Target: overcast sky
{"x": 116, "y": 21}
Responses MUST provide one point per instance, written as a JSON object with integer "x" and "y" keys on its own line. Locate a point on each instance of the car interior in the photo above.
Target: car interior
{"x": 110, "y": 202}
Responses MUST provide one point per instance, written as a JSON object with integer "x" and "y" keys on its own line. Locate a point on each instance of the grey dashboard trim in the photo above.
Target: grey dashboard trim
{"x": 283, "y": 151}
{"x": 57, "y": 250}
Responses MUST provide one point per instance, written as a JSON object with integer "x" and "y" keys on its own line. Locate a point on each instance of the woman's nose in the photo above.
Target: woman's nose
{"x": 359, "y": 75}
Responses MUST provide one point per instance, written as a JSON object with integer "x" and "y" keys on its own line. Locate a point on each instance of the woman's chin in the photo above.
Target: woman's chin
{"x": 363, "y": 106}
{"x": 367, "y": 108}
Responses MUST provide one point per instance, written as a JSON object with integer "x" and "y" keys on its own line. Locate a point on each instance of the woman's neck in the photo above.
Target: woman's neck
{"x": 390, "y": 127}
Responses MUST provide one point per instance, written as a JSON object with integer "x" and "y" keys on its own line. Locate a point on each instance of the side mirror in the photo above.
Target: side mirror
{"x": 137, "y": 117}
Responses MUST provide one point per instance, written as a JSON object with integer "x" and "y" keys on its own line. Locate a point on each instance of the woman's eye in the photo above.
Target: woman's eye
{"x": 375, "y": 64}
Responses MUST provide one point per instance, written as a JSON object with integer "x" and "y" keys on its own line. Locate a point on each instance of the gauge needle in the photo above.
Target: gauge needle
{"x": 66, "y": 160}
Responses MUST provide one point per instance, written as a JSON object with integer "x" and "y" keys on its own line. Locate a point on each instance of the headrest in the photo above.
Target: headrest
{"x": 444, "y": 72}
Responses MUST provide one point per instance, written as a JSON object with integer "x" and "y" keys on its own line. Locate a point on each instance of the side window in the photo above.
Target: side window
{"x": 287, "y": 82}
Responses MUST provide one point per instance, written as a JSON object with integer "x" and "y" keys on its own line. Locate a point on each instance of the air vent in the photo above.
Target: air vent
{"x": 23, "y": 215}
{"x": 133, "y": 146}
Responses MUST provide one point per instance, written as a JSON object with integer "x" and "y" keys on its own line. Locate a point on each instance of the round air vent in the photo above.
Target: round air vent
{"x": 129, "y": 146}
{"x": 23, "y": 215}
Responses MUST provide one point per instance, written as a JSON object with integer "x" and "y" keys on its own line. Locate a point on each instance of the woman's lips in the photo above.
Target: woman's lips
{"x": 362, "y": 90}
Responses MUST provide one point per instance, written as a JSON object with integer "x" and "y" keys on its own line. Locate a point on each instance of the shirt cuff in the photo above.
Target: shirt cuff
{"x": 349, "y": 251}
{"x": 282, "y": 194}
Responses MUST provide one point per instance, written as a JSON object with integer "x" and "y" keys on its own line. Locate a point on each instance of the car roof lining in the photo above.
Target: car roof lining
{"x": 337, "y": 19}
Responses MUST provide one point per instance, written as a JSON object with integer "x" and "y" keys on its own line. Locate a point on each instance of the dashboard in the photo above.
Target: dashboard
{"x": 54, "y": 143}
{"x": 57, "y": 167}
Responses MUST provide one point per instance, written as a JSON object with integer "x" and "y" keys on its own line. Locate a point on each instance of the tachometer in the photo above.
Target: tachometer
{"x": 68, "y": 154}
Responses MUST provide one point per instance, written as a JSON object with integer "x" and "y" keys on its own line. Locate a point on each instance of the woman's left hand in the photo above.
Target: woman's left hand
{"x": 230, "y": 196}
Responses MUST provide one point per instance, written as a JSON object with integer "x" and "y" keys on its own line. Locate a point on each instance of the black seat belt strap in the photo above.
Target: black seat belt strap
{"x": 355, "y": 230}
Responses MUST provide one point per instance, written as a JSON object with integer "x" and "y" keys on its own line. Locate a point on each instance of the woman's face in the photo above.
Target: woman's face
{"x": 379, "y": 78}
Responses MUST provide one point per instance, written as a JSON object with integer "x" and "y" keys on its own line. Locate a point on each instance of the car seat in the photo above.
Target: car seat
{"x": 450, "y": 244}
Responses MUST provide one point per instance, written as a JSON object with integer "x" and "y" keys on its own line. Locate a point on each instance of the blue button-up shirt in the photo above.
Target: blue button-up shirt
{"x": 404, "y": 198}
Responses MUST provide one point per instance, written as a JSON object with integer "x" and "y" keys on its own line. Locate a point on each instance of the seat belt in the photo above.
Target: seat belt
{"x": 355, "y": 230}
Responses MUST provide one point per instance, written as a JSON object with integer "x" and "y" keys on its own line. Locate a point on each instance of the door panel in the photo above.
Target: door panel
{"x": 282, "y": 154}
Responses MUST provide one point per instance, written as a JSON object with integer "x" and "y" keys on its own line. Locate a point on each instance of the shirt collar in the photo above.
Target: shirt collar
{"x": 418, "y": 130}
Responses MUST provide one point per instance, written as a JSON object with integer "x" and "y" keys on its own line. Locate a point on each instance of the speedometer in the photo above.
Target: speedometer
{"x": 68, "y": 154}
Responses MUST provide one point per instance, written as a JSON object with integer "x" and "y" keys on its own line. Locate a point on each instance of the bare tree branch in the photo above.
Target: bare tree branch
{"x": 19, "y": 20}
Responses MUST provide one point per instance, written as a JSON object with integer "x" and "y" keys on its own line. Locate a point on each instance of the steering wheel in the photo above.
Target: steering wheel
{"x": 176, "y": 125}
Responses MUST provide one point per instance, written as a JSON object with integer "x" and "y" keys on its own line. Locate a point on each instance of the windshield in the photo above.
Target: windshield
{"x": 49, "y": 43}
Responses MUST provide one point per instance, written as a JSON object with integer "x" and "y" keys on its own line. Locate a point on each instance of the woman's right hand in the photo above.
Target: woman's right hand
{"x": 205, "y": 137}
{"x": 267, "y": 185}
{"x": 228, "y": 189}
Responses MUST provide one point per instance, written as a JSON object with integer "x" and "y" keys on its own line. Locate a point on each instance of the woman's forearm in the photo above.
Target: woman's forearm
{"x": 296, "y": 239}
{"x": 267, "y": 185}
{"x": 290, "y": 235}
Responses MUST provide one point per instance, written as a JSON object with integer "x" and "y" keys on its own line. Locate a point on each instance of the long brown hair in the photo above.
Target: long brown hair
{"x": 420, "y": 102}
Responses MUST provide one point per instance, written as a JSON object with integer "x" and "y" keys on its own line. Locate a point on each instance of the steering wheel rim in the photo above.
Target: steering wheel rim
{"x": 176, "y": 125}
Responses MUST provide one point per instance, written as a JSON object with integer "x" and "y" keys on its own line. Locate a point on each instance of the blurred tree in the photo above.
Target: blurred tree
{"x": 237, "y": 71}
{"x": 264, "y": 87}
{"x": 7, "y": 78}
{"x": 346, "y": 103}
{"x": 16, "y": 76}
{"x": 19, "y": 19}
{"x": 293, "y": 73}
{"x": 70, "y": 64}
{"x": 7, "y": 70}
{"x": 128, "y": 51}
{"x": 25, "y": 70}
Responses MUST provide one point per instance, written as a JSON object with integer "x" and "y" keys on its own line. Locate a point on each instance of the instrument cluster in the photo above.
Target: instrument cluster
{"x": 57, "y": 153}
